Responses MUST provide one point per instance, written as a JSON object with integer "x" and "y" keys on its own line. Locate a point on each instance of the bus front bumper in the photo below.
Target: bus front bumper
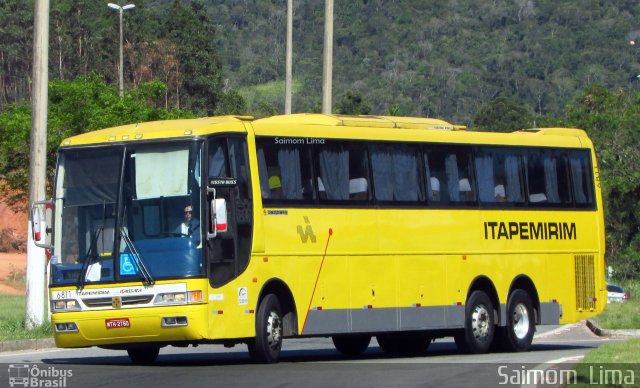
{"x": 120, "y": 327}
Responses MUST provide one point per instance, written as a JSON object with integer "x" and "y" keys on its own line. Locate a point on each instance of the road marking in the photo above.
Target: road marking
{"x": 559, "y": 330}
{"x": 547, "y": 365}
{"x": 24, "y": 353}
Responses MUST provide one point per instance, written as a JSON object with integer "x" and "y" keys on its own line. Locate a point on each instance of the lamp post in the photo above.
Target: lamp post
{"x": 327, "y": 68}
{"x": 120, "y": 9}
{"x": 289, "y": 59}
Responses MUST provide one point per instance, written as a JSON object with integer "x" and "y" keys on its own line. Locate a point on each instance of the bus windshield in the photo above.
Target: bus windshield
{"x": 128, "y": 214}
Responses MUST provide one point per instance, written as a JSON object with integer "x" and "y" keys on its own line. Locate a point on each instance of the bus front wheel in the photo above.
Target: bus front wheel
{"x": 266, "y": 346}
{"x": 479, "y": 324}
{"x": 518, "y": 334}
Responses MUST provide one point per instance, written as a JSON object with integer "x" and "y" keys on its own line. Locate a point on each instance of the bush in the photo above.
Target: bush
{"x": 10, "y": 241}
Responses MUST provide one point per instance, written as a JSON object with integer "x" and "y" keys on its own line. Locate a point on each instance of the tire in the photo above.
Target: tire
{"x": 265, "y": 348}
{"x": 409, "y": 343}
{"x": 517, "y": 335}
{"x": 479, "y": 324}
{"x": 351, "y": 345}
{"x": 143, "y": 356}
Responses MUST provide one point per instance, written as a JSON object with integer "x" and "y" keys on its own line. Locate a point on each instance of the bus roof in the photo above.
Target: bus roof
{"x": 409, "y": 129}
{"x": 160, "y": 130}
{"x": 360, "y": 121}
{"x": 332, "y": 126}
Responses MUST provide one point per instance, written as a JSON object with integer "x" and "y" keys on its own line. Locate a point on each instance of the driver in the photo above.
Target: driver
{"x": 190, "y": 226}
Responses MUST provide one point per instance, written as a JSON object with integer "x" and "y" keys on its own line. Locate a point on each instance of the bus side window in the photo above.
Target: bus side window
{"x": 452, "y": 167}
{"x": 500, "y": 175}
{"x": 343, "y": 172}
{"x": 333, "y": 160}
{"x": 582, "y": 183}
{"x": 513, "y": 177}
{"x": 555, "y": 178}
{"x": 285, "y": 171}
{"x": 395, "y": 172}
{"x": 435, "y": 177}
{"x": 489, "y": 188}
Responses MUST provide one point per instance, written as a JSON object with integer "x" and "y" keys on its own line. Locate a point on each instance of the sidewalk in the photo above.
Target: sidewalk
{"x": 27, "y": 344}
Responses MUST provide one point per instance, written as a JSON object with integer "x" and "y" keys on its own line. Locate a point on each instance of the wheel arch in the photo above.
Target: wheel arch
{"x": 287, "y": 304}
{"x": 525, "y": 283}
{"x": 483, "y": 283}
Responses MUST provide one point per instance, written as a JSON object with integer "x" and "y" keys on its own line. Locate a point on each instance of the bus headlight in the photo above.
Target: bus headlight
{"x": 65, "y": 305}
{"x": 173, "y": 298}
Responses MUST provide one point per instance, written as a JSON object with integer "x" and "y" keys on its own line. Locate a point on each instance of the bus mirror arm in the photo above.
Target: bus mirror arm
{"x": 39, "y": 223}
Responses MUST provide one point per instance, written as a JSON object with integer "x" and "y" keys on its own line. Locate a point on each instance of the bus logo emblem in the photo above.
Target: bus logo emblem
{"x": 307, "y": 233}
{"x": 116, "y": 302}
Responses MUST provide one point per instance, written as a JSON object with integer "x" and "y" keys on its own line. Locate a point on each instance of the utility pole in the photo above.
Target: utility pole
{"x": 289, "y": 65}
{"x": 120, "y": 9}
{"x": 328, "y": 57}
{"x": 36, "y": 260}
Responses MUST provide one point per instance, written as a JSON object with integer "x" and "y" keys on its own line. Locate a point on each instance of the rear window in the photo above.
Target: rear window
{"x": 612, "y": 288}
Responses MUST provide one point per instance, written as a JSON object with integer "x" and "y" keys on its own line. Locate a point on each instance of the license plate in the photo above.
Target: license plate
{"x": 115, "y": 323}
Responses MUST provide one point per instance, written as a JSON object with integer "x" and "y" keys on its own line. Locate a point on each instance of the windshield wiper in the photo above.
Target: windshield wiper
{"x": 142, "y": 268}
{"x": 90, "y": 256}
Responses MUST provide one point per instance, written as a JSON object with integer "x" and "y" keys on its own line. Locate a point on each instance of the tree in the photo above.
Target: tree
{"x": 503, "y": 115}
{"x": 231, "y": 103}
{"x": 612, "y": 119}
{"x": 193, "y": 34}
{"x": 352, "y": 103}
{"x": 75, "y": 107}
{"x": 16, "y": 30}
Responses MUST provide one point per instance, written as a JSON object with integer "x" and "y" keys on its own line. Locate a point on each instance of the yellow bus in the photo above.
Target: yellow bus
{"x": 230, "y": 230}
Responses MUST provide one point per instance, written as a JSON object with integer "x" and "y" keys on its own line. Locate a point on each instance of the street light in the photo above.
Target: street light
{"x": 120, "y": 9}
{"x": 632, "y": 37}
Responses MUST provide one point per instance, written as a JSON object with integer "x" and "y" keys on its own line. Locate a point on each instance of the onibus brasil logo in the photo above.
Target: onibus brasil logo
{"x": 25, "y": 375}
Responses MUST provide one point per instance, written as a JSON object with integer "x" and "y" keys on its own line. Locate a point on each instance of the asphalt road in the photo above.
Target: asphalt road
{"x": 304, "y": 363}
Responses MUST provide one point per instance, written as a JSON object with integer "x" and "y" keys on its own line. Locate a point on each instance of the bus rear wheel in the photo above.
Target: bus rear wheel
{"x": 266, "y": 346}
{"x": 518, "y": 334}
{"x": 143, "y": 356}
{"x": 411, "y": 343}
{"x": 479, "y": 324}
{"x": 351, "y": 345}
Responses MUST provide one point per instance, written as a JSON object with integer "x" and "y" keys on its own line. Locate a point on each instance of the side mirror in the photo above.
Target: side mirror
{"x": 38, "y": 223}
{"x": 41, "y": 213}
{"x": 218, "y": 217}
{"x": 218, "y": 206}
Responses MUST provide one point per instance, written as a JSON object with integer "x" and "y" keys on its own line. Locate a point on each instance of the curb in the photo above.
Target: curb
{"x": 28, "y": 344}
{"x": 611, "y": 333}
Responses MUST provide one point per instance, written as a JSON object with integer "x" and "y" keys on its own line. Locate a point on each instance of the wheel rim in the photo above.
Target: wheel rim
{"x": 274, "y": 330}
{"x": 480, "y": 323}
{"x": 520, "y": 321}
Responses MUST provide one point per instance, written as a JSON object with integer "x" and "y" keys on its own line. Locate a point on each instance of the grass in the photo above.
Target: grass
{"x": 612, "y": 365}
{"x": 618, "y": 316}
{"x": 12, "y": 320}
{"x": 268, "y": 92}
{"x": 615, "y": 364}
{"x": 17, "y": 277}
